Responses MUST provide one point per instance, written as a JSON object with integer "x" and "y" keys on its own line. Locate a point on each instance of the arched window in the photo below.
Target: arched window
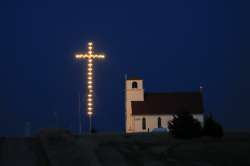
{"x": 134, "y": 84}
{"x": 159, "y": 122}
{"x": 143, "y": 123}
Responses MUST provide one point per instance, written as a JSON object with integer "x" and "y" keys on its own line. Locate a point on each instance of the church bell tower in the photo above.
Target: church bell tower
{"x": 133, "y": 92}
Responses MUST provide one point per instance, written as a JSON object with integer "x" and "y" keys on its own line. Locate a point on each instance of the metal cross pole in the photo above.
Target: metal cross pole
{"x": 90, "y": 56}
{"x": 79, "y": 114}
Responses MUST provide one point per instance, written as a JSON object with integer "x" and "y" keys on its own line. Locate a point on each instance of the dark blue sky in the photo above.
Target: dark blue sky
{"x": 173, "y": 45}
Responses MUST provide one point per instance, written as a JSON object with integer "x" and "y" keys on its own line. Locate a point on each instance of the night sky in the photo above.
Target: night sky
{"x": 174, "y": 45}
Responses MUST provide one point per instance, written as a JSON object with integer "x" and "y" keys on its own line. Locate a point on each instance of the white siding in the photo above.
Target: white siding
{"x": 132, "y": 94}
{"x": 152, "y": 121}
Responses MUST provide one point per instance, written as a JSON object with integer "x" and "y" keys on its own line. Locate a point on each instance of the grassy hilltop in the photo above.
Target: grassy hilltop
{"x": 60, "y": 148}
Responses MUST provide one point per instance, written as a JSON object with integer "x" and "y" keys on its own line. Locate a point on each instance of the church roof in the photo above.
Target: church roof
{"x": 168, "y": 103}
{"x": 133, "y": 78}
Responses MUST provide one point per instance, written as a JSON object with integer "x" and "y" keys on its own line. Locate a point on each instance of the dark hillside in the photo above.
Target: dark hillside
{"x": 63, "y": 149}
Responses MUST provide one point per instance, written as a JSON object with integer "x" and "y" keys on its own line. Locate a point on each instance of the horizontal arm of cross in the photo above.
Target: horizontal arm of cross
{"x": 88, "y": 56}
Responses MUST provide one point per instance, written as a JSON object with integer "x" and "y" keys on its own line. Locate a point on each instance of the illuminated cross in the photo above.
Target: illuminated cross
{"x": 90, "y": 56}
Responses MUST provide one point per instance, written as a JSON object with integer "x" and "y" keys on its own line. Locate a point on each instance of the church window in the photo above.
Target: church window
{"x": 134, "y": 84}
{"x": 143, "y": 123}
{"x": 159, "y": 122}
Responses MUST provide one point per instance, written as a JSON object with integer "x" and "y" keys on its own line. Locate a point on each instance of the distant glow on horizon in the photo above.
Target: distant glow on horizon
{"x": 90, "y": 56}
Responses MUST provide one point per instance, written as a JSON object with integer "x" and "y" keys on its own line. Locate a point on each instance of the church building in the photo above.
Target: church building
{"x": 146, "y": 111}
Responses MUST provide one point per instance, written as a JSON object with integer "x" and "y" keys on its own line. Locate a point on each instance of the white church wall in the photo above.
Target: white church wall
{"x": 132, "y": 94}
{"x": 135, "y": 95}
{"x": 152, "y": 121}
{"x": 129, "y": 119}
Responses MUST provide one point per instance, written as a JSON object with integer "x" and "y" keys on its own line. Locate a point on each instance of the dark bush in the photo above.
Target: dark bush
{"x": 93, "y": 130}
{"x": 184, "y": 126}
{"x": 212, "y": 128}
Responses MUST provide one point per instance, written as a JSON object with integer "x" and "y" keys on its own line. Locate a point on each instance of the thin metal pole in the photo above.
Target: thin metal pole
{"x": 56, "y": 120}
{"x": 27, "y": 128}
{"x": 90, "y": 124}
{"x": 79, "y": 114}
{"x": 125, "y": 104}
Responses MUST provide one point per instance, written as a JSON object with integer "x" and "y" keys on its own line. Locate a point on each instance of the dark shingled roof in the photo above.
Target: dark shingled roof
{"x": 168, "y": 103}
{"x": 134, "y": 78}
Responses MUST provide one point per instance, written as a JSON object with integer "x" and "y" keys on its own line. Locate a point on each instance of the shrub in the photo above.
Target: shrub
{"x": 184, "y": 126}
{"x": 212, "y": 128}
{"x": 93, "y": 130}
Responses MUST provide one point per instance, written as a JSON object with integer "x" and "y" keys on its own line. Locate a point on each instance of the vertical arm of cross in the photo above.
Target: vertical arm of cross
{"x": 90, "y": 87}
